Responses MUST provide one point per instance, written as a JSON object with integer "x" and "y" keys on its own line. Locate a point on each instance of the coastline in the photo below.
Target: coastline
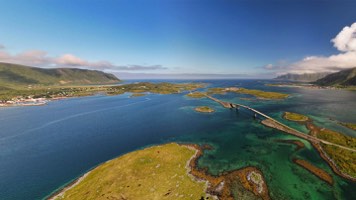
{"x": 216, "y": 187}
{"x": 59, "y": 193}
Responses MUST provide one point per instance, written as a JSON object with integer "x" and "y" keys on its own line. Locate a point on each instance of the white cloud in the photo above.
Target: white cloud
{"x": 40, "y": 58}
{"x": 346, "y": 39}
{"x": 345, "y": 42}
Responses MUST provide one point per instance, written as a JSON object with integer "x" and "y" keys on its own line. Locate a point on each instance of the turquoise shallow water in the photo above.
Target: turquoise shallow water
{"x": 43, "y": 148}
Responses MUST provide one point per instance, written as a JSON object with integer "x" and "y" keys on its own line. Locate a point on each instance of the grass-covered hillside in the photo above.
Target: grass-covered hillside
{"x": 158, "y": 172}
{"x": 15, "y": 76}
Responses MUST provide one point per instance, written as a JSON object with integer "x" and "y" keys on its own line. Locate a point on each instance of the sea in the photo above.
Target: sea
{"x": 43, "y": 148}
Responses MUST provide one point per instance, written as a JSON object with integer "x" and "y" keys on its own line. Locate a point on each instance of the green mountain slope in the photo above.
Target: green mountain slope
{"x": 302, "y": 77}
{"x": 14, "y": 75}
{"x": 342, "y": 78}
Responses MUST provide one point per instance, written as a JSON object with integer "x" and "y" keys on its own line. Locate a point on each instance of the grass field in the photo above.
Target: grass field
{"x": 157, "y": 172}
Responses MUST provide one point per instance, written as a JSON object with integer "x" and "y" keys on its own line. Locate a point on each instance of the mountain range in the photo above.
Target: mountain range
{"x": 14, "y": 75}
{"x": 345, "y": 77}
{"x": 302, "y": 77}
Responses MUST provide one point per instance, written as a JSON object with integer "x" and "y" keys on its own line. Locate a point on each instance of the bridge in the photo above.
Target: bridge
{"x": 278, "y": 125}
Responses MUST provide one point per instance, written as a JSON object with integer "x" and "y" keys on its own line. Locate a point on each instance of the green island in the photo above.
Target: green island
{"x": 196, "y": 95}
{"x": 204, "y": 109}
{"x": 349, "y": 125}
{"x": 257, "y": 93}
{"x": 158, "y": 172}
{"x": 262, "y": 94}
{"x": 295, "y": 117}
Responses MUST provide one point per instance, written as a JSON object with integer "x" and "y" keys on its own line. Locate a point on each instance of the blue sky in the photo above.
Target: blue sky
{"x": 257, "y": 38}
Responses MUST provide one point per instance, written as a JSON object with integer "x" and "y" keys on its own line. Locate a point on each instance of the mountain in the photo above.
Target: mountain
{"x": 13, "y": 75}
{"x": 302, "y": 77}
{"x": 345, "y": 77}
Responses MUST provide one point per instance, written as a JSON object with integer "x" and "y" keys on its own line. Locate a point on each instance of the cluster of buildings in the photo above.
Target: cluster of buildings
{"x": 21, "y": 101}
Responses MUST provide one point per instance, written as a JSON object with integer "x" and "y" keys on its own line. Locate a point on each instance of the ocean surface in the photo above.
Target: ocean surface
{"x": 43, "y": 148}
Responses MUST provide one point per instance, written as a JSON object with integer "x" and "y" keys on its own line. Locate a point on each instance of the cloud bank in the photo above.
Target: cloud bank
{"x": 40, "y": 58}
{"x": 345, "y": 42}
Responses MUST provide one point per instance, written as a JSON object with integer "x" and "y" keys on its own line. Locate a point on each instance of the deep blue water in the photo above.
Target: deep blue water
{"x": 43, "y": 148}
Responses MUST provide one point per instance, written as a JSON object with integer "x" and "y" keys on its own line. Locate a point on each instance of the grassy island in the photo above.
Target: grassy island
{"x": 262, "y": 94}
{"x": 204, "y": 109}
{"x": 295, "y": 117}
{"x": 196, "y": 95}
{"x": 257, "y": 93}
{"x": 159, "y": 172}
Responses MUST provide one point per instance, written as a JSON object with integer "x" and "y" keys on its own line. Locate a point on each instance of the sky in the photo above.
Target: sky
{"x": 181, "y": 38}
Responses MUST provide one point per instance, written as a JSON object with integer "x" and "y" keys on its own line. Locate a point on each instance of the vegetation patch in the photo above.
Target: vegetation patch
{"x": 204, "y": 109}
{"x": 295, "y": 117}
{"x": 337, "y": 138}
{"x": 158, "y": 172}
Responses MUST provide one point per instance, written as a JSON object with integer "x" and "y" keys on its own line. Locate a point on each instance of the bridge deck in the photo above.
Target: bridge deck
{"x": 278, "y": 125}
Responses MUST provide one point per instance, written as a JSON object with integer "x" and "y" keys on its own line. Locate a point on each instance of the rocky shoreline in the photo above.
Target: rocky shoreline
{"x": 221, "y": 185}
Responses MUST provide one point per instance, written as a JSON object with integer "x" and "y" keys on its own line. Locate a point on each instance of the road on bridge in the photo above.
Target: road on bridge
{"x": 283, "y": 127}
